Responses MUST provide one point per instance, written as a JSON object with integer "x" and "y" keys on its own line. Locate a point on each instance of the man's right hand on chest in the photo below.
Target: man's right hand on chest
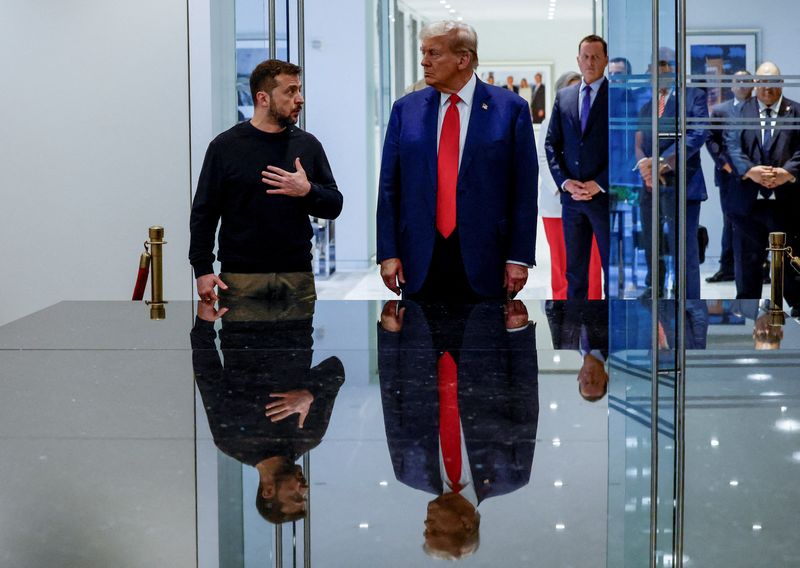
{"x": 205, "y": 287}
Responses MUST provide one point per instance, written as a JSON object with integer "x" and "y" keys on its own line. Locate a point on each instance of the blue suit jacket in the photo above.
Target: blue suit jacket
{"x": 696, "y": 107}
{"x": 497, "y": 397}
{"x": 746, "y": 151}
{"x": 577, "y": 155}
{"x": 496, "y": 191}
{"x": 716, "y": 140}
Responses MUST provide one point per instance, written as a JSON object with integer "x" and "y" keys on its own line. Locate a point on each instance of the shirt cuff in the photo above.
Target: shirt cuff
{"x": 521, "y": 328}
{"x": 519, "y": 263}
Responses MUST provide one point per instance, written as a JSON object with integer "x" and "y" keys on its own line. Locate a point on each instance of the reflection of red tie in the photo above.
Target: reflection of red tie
{"x": 449, "y": 421}
{"x": 662, "y": 103}
{"x": 448, "y": 169}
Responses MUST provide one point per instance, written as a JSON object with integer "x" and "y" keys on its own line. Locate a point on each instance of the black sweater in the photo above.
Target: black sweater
{"x": 259, "y": 232}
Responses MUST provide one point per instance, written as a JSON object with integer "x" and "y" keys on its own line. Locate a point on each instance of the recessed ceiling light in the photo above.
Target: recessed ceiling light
{"x": 757, "y": 527}
{"x": 363, "y": 525}
{"x": 560, "y": 526}
{"x": 714, "y": 442}
{"x": 733, "y": 483}
{"x": 452, "y": 11}
{"x": 558, "y": 483}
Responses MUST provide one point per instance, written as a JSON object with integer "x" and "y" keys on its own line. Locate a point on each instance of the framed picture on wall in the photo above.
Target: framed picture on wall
{"x": 532, "y": 80}
{"x": 720, "y": 52}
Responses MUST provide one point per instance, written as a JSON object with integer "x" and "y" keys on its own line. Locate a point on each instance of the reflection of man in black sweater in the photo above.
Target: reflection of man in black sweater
{"x": 251, "y": 400}
{"x": 262, "y": 179}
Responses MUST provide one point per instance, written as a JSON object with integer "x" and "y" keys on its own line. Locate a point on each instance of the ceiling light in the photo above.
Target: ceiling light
{"x": 556, "y": 358}
{"x": 460, "y": 19}
{"x": 363, "y": 525}
{"x": 788, "y": 425}
{"x": 733, "y": 483}
{"x": 556, "y": 442}
{"x": 759, "y": 376}
{"x": 558, "y": 483}
{"x": 714, "y": 442}
{"x": 553, "y": 406}
{"x": 757, "y": 527}
{"x": 383, "y": 483}
{"x": 746, "y": 361}
{"x": 784, "y": 408}
{"x": 560, "y": 526}
{"x": 452, "y": 10}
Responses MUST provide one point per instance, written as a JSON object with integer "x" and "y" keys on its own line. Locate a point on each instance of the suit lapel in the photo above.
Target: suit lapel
{"x": 478, "y": 120}
{"x": 431, "y": 121}
{"x": 777, "y": 132}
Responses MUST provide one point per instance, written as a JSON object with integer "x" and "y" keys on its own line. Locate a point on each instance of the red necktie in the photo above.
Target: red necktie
{"x": 449, "y": 421}
{"x": 448, "y": 170}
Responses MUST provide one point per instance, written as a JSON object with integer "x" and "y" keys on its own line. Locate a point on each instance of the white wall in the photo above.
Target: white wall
{"x": 339, "y": 113}
{"x": 555, "y": 41}
{"x": 93, "y": 147}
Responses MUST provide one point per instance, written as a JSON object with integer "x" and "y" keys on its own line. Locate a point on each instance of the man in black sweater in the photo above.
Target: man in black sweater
{"x": 262, "y": 179}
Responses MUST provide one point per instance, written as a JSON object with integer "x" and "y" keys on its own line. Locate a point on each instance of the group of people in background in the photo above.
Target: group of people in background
{"x": 533, "y": 94}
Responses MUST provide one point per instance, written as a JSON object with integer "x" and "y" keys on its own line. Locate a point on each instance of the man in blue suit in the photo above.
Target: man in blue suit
{"x": 457, "y": 207}
{"x": 724, "y": 178}
{"x": 577, "y": 152}
{"x": 767, "y": 159}
{"x": 468, "y": 435}
{"x": 696, "y": 107}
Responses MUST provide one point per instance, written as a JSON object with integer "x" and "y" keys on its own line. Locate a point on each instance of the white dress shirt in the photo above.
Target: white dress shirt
{"x": 762, "y": 112}
{"x": 466, "y": 94}
{"x": 466, "y": 481}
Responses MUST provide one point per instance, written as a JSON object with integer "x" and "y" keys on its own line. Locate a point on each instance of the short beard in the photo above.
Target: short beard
{"x": 283, "y": 120}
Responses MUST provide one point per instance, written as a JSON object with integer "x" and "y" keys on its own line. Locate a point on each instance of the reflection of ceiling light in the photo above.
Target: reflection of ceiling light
{"x": 746, "y": 361}
{"x": 560, "y": 526}
{"x": 363, "y": 526}
{"x": 556, "y": 358}
{"x": 757, "y": 527}
{"x": 759, "y": 376}
{"x": 784, "y": 408}
{"x": 558, "y": 483}
{"x": 452, "y": 11}
{"x": 460, "y": 19}
{"x": 714, "y": 442}
{"x": 788, "y": 425}
{"x": 383, "y": 483}
{"x": 796, "y": 457}
{"x": 733, "y": 483}
{"x": 556, "y": 442}
{"x": 442, "y": 1}
{"x": 553, "y": 406}
{"x": 447, "y": 6}
{"x": 771, "y": 393}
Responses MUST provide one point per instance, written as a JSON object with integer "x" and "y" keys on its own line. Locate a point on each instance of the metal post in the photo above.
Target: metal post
{"x": 273, "y": 41}
{"x": 156, "y": 242}
{"x": 307, "y": 521}
{"x": 777, "y": 248}
{"x": 301, "y": 52}
{"x": 680, "y": 378}
{"x": 278, "y": 546}
{"x": 655, "y": 279}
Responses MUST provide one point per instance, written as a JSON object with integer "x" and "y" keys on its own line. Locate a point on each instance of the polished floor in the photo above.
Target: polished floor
{"x": 131, "y": 442}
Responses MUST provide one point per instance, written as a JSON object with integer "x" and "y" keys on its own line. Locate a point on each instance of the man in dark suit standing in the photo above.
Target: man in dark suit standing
{"x": 767, "y": 158}
{"x": 538, "y": 99}
{"x": 457, "y": 208}
{"x": 696, "y": 107}
{"x": 724, "y": 177}
{"x": 577, "y": 151}
{"x": 469, "y": 434}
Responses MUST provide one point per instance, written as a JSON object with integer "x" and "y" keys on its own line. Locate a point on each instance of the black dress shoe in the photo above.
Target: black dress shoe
{"x": 720, "y": 276}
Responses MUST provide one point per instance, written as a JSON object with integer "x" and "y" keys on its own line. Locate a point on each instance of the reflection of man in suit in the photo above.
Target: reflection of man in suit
{"x": 622, "y": 105}
{"x": 696, "y": 107}
{"x": 469, "y": 434}
{"x": 537, "y": 100}
{"x": 766, "y": 200}
{"x": 724, "y": 178}
{"x": 583, "y": 326}
{"x": 251, "y": 400}
{"x": 577, "y": 151}
{"x": 457, "y": 196}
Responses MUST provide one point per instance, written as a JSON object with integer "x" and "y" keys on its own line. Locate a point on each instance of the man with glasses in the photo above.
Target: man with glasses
{"x": 767, "y": 159}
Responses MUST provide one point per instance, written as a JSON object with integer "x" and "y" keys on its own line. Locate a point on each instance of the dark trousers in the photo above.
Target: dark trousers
{"x": 669, "y": 246}
{"x": 750, "y": 241}
{"x": 447, "y": 279}
{"x": 726, "y": 253}
{"x": 582, "y": 220}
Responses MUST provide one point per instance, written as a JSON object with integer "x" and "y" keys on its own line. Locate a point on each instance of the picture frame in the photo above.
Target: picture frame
{"x": 712, "y": 52}
{"x": 519, "y": 70}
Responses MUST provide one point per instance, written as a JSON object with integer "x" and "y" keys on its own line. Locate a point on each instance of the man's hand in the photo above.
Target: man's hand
{"x": 516, "y": 314}
{"x": 645, "y": 166}
{"x": 207, "y": 311}
{"x": 515, "y": 278}
{"x": 392, "y": 316}
{"x": 727, "y": 168}
{"x": 592, "y": 188}
{"x": 392, "y": 274}
{"x": 205, "y": 287}
{"x": 292, "y": 402}
{"x": 577, "y": 189}
{"x": 762, "y": 175}
{"x": 780, "y": 177}
{"x": 287, "y": 183}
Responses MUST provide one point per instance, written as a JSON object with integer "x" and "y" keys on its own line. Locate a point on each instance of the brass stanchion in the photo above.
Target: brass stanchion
{"x": 777, "y": 248}
{"x": 157, "y": 302}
